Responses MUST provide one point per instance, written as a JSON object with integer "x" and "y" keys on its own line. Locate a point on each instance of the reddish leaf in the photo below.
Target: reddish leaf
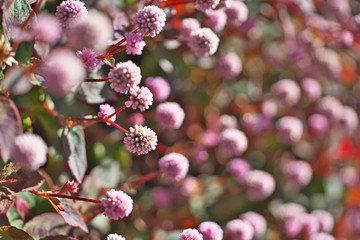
{"x": 22, "y": 206}
{"x": 13, "y": 233}
{"x": 7, "y": 170}
{"x": 58, "y": 237}
{"x": 6, "y": 200}
{"x": 26, "y": 181}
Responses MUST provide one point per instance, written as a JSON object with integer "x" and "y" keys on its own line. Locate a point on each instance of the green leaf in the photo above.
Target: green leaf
{"x": 13, "y": 233}
{"x": 10, "y": 125}
{"x": 110, "y": 61}
{"x": 74, "y": 147}
{"x": 95, "y": 92}
{"x": 25, "y": 50}
{"x": 16, "y": 14}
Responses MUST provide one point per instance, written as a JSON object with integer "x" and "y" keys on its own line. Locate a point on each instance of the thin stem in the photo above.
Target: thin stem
{"x": 116, "y": 112}
{"x": 119, "y": 50}
{"x": 97, "y": 80}
{"x": 113, "y": 47}
{"x": 74, "y": 198}
{"x": 142, "y": 179}
{"x": 174, "y": 3}
{"x": 82, "y": 119}
{"x": 117, "y": 126}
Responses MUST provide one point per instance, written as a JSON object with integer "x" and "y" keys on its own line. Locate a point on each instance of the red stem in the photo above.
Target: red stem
{"x": 112, "y": 48}
{"x": 117, "y": 126}
{"x": 49, "y": 194}
{"x": 97, "y": 80}
{"x": 174, "y": 3}
{"x": 119, "y": 50}
{"x": 142, "y": 179}
{"x": 116, "y": 112}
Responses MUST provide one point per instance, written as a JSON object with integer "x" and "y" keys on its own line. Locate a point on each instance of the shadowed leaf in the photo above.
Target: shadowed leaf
{"x": 9, "y": 169}
{"x": 6, "y": 200}
{"x": 95, "y": 92}
{"x": 58, "y": 237}
{"x": 13, "y": 233}
{"x": 26, "y": 181}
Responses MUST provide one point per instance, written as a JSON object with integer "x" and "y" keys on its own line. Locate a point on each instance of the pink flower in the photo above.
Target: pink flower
{"x": 229, "y": 65}
{"x": 29, "y": 150}
{"x": 134, "y": 44}
{"x": 287, "y": 91}
{"x": 256, "y": 220}
{"x": 140, "y": 140}
{"x": 124, "y": 76}
{"x": 117, "y": 204}
{"x": 169, "y": 115}
{"x": 290, "y": 129}
{"x": 211, "y": 231}
{"x": 89, "y": 59}
{"x": 326, "y": 220}
{"x": 227, "y": 121}
{"x": 187, "y": 26}
{"x": 238, "y": 168}
{"x": 269, "y": 108}
{"x": 136, "y": 119}
{"x": 203, "y": 42}
{"x": 190, "y": 234}
{"x": 321, "y": 236}
{"x": 70, "y": 11}
{"x": 205, "y": 5}
{"x": 310, "y": 223}
{"x": 159, "y": 87}
{"x": 47, "y": 28}
{"x": 114, "y": 236}
{"x": 149, "y": 21}
{"x": 349, "y": 176}
{"x": 72, "y": 186}
{"x": 140, "y": 98}
{"x": 174, "y": 166}
{"x": 161, "y": 197}
{"x": 233, "y": 142}
{"x": 105, "y": 111}
{"x": 239, "y": 230}
{"x": 237, "y": 13}
{"x": 216, "y": 20}
{"x": 298, "y": 172}
{"x": 259, "y": 185}
{"x": 209, "y": 138}
{"x": 318, "y": 123}
{"x": 312, "y": 88}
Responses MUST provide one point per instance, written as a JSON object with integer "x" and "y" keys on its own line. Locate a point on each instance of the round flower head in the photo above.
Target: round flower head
{"x": 47, "y": 28}
{"x": 89, "y": 59}
{"x": 239, "y": 230}
{"x": 190, "y": 234}
{"x": 105, "y": 111}
{"x": 269, "y": 108}
{"x": 199, "y": 154}
{"x": 227, "y": 121}
{"x": 238, "y": 168}
{"x": 174, "y": 166}
{"x": 312, "y": 88}
{"x": 229, "y": 65}
{"x": 134, "y": 44}
{"x": 203, "y": 42}
{"x": 349, "y": 176}
{"x": 29, "y": 150}
{"x": 114, "y": 236}
{"x": 187, "y": 26}
{"x": 237, "y": 13}
{"x": 290, "y": 129}
{"x": 224, "y": 4}
{"x": 140, "y": 140}
{"x": 298, "y": 172}
{"x": 286, "y": 91}
{"x": 292, "y": 227}
{"x": 209, "y": 138}
{"x": 136, "y": 118}
{"x": 211, "y": 231}
{"x": 259, "y": 185}
{"x": 62, "y": 71}
{"x": 347, "y": 119}
{"x": 169, "y": 115}
{"x": 159, "y": 87}
{"x": 310, "y": 223}
{"x": 117, "y": 204}
{"x": 70, "y": 11}
{"x": 140, "y": 98}
{"x": 233, "y": 142}
{"x": 287, "y": 210}
{"x": 256, "y": 123}
{"x": 72, "y": 186}
{"x": 124, "y": 76}
{"x": 321, "y": 236}
{"x": 162, "y": 197}
{"x": 149, "y": 21}
{"x": 329, "y": 106}
{"x": 189, "y": 187}
{"x": 216, "y": 20}
{"x": 256, "y": 220}
{"x": 326, "y": 220}
{"x": 205, "y": 5}
{"x": 318, "y": 123}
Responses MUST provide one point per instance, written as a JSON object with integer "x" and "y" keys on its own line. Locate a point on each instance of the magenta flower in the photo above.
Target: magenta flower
{"x": 159, "y": 87}
{"x": 71, "y": 11}
{"x": 134, "y": 44}
{"x": 229, "y": 65}
{"x": 174, "y": 166}
{"x": 114, "y": 236}
{"x": 298, "y": 172}
{"x": 46, "y": 28}
{"x": 124, "y": 76}
{"x": 237, "y": 13}
{"x": 256, "y": 220}
{"x": 190, "y": 234}
{"x": 233, "y": 142}
{"x": 72, "y": 186}
{"x": 318, "y": 123}
{"x": 169, "y": 115}
{"x": 162, "y": 197}
{"x": 140, "y": 140}
{"x": 105, "y": 111}
{"x": 90, "y": 59}
{"x": 211, "y": 231}
{"x": 29, "y": 151}
{"x": 149, "y": 21}
{"x": 205, "y": 5}
{"x": 238, "y": 168}
{"x": 117, "y": 204}
{"x": 140, "y": 98}
{"x": 292, "y": 227}
{"x": 259, "y": 185}
{"x": 239, "y": 230}
{"x": 187, "y": 26}
{"x": 216, "y": 20}
{"x": 287, "y": 91}
{"x": 290, "y": 129}
{"x": 203, "y": 42}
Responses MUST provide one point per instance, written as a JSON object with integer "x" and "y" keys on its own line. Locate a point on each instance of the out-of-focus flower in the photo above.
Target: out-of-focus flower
{"x": 159, "y": 87}
{"x": 190, "y": 234}
{"x": 161, "y": 197}
{"x": 329, "y": 106}
{"x": 200, "y": 154}
{"x": 114, "y": 236}
{"x": 187, "y": 26}
{"x": 238, "y": 168}
{"x": 90, "y": 59}
{"x": 149, "y": 21}
{"x": 140, "y": 98}
{"x": 136, "y": 119}
{"x": 229, "y": 65}
{"x": 205, "y": 5}
{"x": 124, "y": 76}
{"x": 209, "y": 138}
{"x": 105, "y": 111}
{"x": 286, "y": 91}
{"x": 256, "y": 220}
{"x": 46, "y": 28}
{"x": 347, "y": 119}
{"x": 29, "y": 150}
{"x": 259, "y": 185}
{"x": 169, "y": 115}
{"x": 70, "y": 12}
{"x": 312, "y": 88}
{"x": 239, "y": 229}
{"x": 349, "y": 176}
{"x": 211, "y": 231}
{"x": 236, "y": 13}
{"x": 318, "y": 123}
{"x": 72, "y": 186}
{"x": 216, "y": 20}
{"x": 6, "y": 55}
{"x": 227, "y": 121}
{"x": 298, "y": 172}
{"x": 174, "y": 166}
{"x": 292, "y": 227}
{"x": 321, "y": 236}
{"x": 326, "y": 220}
{"x": 233, "y": 142}
{"x": 117, "y": 204}
{"x": 188, "y": 187}
{"x": 269, "y": 108}
{"x": 203, "y": 42}
{"x": 134, "y": 44}
{"x": 290, "y": 129}
{"x": 140, "y": 140}
{"x": 310, "y": 223}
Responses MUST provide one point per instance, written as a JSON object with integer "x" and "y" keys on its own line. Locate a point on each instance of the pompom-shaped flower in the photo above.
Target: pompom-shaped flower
{"x": 62, "y": 71}
{"x": 72, "y": 186}
{"x": 205, "y": 5}
{"x": 318, "y": 123}
{"x": 310, "y": 223}
{"x": 134, "y": 44}
{"x": 203, "y": 42}
{"x": 159, "y": 87}
{"x": 47, "y": 28}
{"x": 70, "y": 11}
{"x": 259, "y": 185}
{"x": 321, "y": 236}
{"x": 117, "y": 204}
{"x": 229, "y": 65}
{"x": 187, "y": 26}
{"x": 89, "y": 59}
{"x": 290, "y": 129}
{"x": 124, "y": 76}
{"x": 190, "y": 234}
{"x": 238, "y": 168}
{"x": 149, "y": 21}
{"x": 298, "y": 172}
{"x": 211, "y": 231}
{"x": 29, "y": 150}
{"x": 169, "y": 115}
{"x": 216, "y": 20}
{"x": 136, "y": 118}
{"x": 233, "y": 142}
{"x": 227, "y": 121}
{"x": 140, "y": 98}
{"x": 239, "y": 230}
{"x": 325, "y": 218}
{"x": 174, "y": 166}
{"x": 140, "y": 140}
{"x": 287, "y": 91}
{"x": 105, "y": 111}
{"x": 312, "y": 88}
{"x": 256, "y": 220}
{"x": 114, "y": 236}
{"x": 237, "y": 13}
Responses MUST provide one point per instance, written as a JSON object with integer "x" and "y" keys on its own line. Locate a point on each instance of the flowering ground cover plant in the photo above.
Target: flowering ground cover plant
{"x": 179, "y": 119}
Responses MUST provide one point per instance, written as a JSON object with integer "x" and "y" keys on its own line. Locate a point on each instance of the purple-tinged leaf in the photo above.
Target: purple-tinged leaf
{"x": 9, "y": 169}
{"x": 58, "y": 237}
{"x": 22, "y": 206}
{"x": 10, "y": 125}
{"x": 6, "y": 200}
{"x": 95, "y": 92}
{"x": 74, "y": 147}
{"x": 26, "y": 181}
{"x": 13, "y": 233}
{"x": 69, "y": 213}
{"x": 46, "y": 224}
